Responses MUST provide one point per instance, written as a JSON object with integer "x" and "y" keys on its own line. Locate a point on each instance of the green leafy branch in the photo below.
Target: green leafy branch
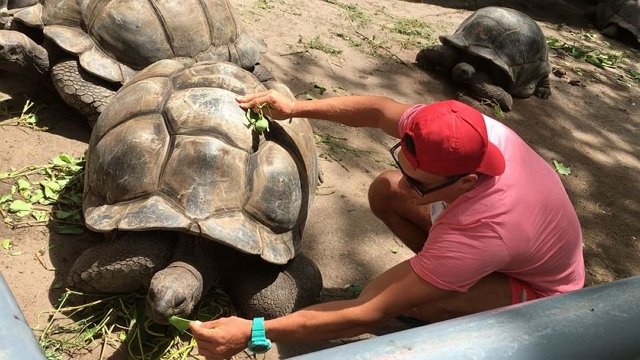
{"x": 120, "y": 319}
{"x": 27, "y": 118}
{"x": 39, "y": 194}
{"x": 256, "y": 118}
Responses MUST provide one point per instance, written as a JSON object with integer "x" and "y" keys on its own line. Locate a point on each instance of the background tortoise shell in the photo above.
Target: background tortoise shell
{"x": 115, "y": 38}
{"x": 507, "y": 38}
{"x": 624, "y": 13}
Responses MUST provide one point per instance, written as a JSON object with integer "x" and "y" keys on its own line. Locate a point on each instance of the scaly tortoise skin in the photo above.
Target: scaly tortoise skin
{"x": 95, "y": 46}
{"x": 495, "y": 50}
{"x": 192, "y": 192}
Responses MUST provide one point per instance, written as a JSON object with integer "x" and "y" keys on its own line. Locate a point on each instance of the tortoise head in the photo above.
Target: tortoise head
{"x": 174, "y": 290}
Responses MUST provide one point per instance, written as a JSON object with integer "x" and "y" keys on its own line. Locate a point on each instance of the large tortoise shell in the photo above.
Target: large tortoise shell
{"x": 507, "y": 38}
{"x": 116, "y": 38}
{"x": 624, "y": 13}
{"x": 172, "y": 151}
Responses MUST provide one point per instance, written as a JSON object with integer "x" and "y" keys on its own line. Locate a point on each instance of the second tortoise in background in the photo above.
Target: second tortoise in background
{"x": 618, "y": 18}
{"x": 497, "y": 53}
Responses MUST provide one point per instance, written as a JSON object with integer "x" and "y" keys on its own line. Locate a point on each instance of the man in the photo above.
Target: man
{"x": 489, "y": 220}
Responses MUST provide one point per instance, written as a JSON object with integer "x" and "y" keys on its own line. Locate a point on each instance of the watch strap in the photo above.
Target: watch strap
{"x": 258, "y": 342}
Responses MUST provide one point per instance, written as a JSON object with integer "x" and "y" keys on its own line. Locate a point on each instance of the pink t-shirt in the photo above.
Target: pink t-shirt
{"x": 520, "y": 223}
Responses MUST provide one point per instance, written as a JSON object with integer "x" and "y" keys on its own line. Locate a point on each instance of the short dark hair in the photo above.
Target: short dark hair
{"x": 407, "y": 142}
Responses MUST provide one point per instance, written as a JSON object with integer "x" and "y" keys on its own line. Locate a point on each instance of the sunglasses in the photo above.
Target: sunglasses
{"x": 415, "y": 184}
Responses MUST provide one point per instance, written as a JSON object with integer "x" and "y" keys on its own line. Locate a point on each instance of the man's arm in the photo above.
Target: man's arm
{"x": 392, "y": 293}
{"x": 356, "y": 111}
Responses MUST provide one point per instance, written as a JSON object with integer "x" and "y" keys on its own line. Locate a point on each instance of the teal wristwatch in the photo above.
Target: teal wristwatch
{"x": 259, "y": 344}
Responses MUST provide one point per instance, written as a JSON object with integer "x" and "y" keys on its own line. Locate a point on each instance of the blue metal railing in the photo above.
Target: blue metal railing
{"x": 17, "y": 341}
{"x": 599, "y": 322}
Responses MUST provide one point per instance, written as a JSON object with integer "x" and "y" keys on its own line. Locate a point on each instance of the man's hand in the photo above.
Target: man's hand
{"x": 280, "y": 106}
{"x": 222, "y": 338}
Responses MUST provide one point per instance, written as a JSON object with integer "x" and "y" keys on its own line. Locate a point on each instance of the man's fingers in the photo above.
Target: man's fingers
{"x": 250, "y": 97}
{"x": 202, "y": 329}
{"x": 251, "y": 104}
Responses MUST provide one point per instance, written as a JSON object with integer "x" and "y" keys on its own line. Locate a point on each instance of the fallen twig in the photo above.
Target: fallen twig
{"x": 370, "y": 41}
{"x": 295, "y": 53}
{"x": 43, "y": 264}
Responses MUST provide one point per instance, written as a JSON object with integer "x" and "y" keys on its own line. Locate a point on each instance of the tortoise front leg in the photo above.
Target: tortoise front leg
{"x": 122, "y": 265}
{"x": 270, "y": 291}
{"x": 19, "y": 54}
{"x": 82, "y": 91}
{"x": 543, "y": 88}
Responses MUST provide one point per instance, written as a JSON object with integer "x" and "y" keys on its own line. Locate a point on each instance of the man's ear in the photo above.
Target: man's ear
{"x": 468, "y": 182}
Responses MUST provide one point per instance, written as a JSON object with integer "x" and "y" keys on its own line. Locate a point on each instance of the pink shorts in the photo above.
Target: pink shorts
{"x": 521, "y": 291}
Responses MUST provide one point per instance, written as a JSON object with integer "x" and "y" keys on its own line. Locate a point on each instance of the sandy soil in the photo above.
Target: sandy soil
{"x": 328, "y": 48}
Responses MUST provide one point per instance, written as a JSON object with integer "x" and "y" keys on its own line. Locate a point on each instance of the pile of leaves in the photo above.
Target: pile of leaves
{"x": 592, "y": 56}
{"x": 120, "y": 322}
{"x": 42, "y": 193}
{"x": 25, "y": 118}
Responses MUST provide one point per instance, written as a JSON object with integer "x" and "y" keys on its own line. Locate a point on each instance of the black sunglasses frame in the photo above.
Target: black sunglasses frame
{"x": 415, "y": 184}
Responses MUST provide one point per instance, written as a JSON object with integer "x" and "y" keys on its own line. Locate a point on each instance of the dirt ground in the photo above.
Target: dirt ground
{"x": 327, "y": 48}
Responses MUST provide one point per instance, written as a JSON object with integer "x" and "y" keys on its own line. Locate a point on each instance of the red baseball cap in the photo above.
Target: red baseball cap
{"x": 449, "y": 138}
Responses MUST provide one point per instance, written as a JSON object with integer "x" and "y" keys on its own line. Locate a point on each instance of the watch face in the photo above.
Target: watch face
{"x": 260, "y": 348}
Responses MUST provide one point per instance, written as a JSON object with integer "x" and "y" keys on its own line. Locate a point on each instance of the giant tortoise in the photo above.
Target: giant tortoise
{"x": 498, "y": 52}
{"x": 188, "y": 193}
{"x": 92, "y": 47}
{"x": 617, "y": 17}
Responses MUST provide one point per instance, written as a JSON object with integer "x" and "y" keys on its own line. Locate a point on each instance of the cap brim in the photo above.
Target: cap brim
{"x": 493, "y": 163}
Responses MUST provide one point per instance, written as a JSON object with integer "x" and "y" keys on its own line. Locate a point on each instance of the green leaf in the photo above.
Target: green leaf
{"x": 63, "y": 160}
{"x": 53, "y": 185}
{"x": 40, "y": 215}
{"x": 36, "y": 196}
{"x": 62, "y": 182}
{"x": 50, "y": 194}
{"x": 23, "y": 184}
{"x": 561, "y": 168}
{"x": 179, "y": 323}
{"x": 63, "y": 214}
{"x": 252, "y": 116}
{"x": 7, "y": 244}
{"x": 22, "y": 213}
{"x": 6, "y": 197}
{"x": 19, "y": 205}
{"x": 262, "y": 125}
{"x": 355, "y": 289}
{"x": 69, "y": 229}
